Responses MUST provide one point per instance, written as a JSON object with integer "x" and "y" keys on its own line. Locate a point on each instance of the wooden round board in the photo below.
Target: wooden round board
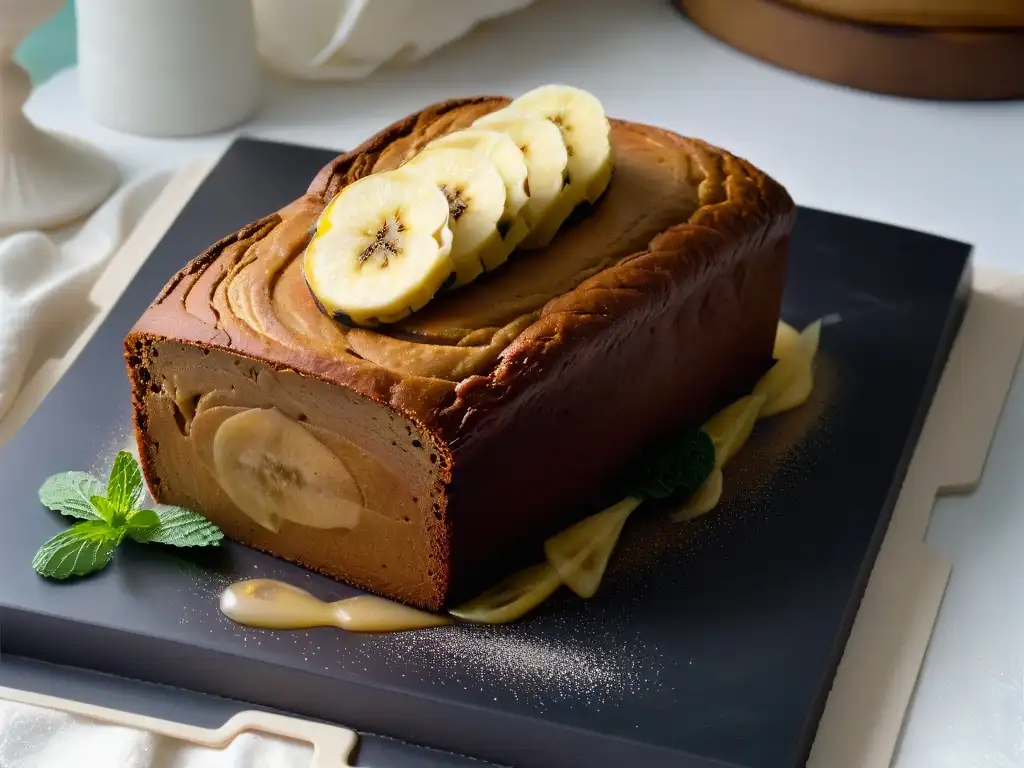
{"x": 919, "y": 62}
{"x": 960, "y": 14}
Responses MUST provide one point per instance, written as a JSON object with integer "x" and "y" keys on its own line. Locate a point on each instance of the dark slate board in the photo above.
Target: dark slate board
{"x": 710, "y": 644}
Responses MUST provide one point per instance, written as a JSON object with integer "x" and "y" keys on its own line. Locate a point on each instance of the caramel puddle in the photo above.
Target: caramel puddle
{"x": 271, "y": 604}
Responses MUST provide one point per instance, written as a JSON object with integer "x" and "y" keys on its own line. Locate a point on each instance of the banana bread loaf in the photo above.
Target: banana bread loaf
{"x": 417, "y": 459}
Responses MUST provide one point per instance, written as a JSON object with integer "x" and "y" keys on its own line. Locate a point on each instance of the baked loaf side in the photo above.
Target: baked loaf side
{"x": 468, "y": 431}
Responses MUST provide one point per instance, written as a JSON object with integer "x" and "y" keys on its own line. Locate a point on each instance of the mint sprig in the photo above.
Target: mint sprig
{"x": 177, "y": 527}
{"x": 107, "y": 518}
{"x": 81, "y": 549}
{"x": 71, "y": 494}
{"x": 673, "y": 467}
{"x": 124, "y": 489}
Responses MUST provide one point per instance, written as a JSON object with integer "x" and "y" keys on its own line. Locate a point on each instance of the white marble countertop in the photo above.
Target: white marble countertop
{"x": 951, "y": 169}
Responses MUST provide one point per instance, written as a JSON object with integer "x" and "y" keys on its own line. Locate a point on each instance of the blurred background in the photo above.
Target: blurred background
{"x": 51, "y": 47}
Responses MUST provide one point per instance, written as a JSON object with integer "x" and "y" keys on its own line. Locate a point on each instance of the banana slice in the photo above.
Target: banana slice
{"x": 475, "y": 193}
{"x": 704, "y": 500}
{"x": 381, "y": 249}
{"x": 580, "y": 553}
{"x": 512, "y": 598}
{"x": 730, "y": 428}
{"x": 789, "y": 382}
{"x": 275, "y": 470}
{"x": 587, "y": 135}
{"x": 204, "y": 432}
{"x": 786, "y": 339}
{"x": 511, "y": 164}
{"x": 546, "y": 158}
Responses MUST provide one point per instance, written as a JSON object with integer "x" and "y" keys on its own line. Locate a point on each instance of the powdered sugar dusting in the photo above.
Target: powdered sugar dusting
{"x": 568, "y": 666}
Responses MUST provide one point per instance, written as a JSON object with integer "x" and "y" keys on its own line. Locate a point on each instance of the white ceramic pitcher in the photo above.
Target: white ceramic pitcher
{"x": 168, "y": 67}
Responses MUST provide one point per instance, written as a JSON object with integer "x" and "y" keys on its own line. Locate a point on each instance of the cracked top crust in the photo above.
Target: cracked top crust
{"x": 676, "y": 212}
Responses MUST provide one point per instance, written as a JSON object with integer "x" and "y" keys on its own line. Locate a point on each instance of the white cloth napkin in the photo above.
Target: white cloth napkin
{"x": 45, "y": 282}
{"x": 349, "y": 39}
{"x": 33, "y": 737}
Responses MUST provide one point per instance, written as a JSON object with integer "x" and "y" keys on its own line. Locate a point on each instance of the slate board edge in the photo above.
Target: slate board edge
{"x": 454, "y": 727}
{"x": 949, "y": 336}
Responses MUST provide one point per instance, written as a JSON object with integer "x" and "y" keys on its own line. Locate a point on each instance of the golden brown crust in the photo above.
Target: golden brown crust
{"x": 137, "y": 348}
{"x": 741, "y": 209}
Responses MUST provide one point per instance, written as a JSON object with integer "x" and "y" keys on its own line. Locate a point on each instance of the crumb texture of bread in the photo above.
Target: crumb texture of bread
{"x": 478, "y": 425}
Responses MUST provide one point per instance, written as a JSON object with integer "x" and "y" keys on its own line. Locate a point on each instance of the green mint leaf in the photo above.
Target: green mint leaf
{"x": 83, "y": 548}
{"x": 106, "y": 511}
{"x": 69, "y": 493}
{"x": 143, "y": 518}
{"x": 124, "y": 490}
{"x": 674, "y": 466}
{"x": 179, "y": 527}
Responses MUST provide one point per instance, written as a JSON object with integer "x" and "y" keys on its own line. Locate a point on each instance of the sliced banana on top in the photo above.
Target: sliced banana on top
{"x": 586, "y": 132}
{"x": 511, "y": 164}
{"x": 544, "y": 151}
{"x": 475, "y": 192}
{"x": 274, "y": 470}
{"x": 382, "y": 249}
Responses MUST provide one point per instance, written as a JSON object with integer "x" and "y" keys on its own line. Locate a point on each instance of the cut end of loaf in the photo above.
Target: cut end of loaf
{"x": 358, "y": 490}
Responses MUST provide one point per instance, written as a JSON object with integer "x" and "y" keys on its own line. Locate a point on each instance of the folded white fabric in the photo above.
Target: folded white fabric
{"x": 45, "y": 282}
{"x": 347, "y": 39}
{"x": 33, "y": 737}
